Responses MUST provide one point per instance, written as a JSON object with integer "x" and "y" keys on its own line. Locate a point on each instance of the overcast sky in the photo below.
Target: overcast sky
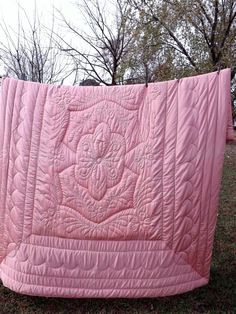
{"x": 9, "y": 8}
{"x": 9, "y": 14}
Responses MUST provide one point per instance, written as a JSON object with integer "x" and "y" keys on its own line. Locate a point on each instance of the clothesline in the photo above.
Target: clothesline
{"x": 233, "y": 72}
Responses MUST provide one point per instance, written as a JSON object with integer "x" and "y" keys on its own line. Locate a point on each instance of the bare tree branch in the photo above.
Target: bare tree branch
{"x": 29, "y": 53}
{"x": 107, "y": 42}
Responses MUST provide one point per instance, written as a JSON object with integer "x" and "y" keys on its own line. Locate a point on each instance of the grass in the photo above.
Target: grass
{"x": 219, "y": 296}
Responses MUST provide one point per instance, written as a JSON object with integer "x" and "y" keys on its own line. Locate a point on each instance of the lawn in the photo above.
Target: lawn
{"x": 219, "y": 296}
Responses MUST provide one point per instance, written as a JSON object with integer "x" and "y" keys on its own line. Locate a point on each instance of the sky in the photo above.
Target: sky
{"x": 9, "y": 13}
{"x": 9, "y": 8}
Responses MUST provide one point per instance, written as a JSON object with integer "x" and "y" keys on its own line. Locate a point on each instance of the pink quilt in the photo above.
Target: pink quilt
{"x": 111, "y": 191}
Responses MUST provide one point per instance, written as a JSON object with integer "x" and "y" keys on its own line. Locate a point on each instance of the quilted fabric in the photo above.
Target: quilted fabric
{"x": 111, "y": 191}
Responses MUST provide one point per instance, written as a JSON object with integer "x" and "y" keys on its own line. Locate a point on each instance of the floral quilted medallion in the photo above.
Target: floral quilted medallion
{"x": 105, "y": 169}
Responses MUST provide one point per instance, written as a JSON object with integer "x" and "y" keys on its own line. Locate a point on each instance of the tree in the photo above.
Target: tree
{"x": 202, "y": 32}
{"x": 30, "y": 53}
{"x": 150, "y": 59}
{"x": 106, "y": 43}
